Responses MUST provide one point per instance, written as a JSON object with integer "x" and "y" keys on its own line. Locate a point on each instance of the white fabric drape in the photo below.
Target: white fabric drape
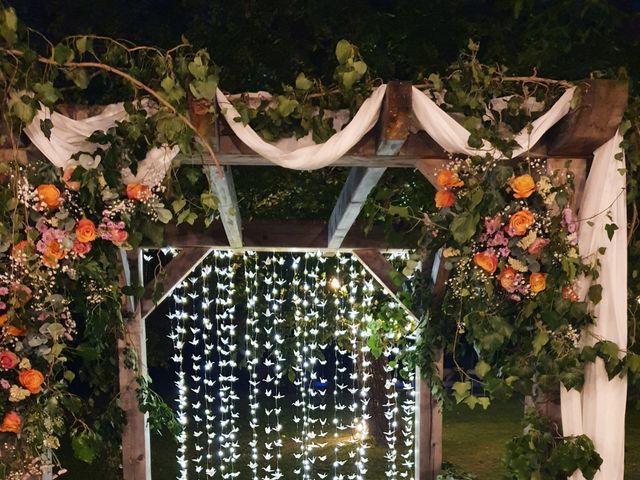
{"x": 69, "y": 136}
{"x": 309, "y": 157}
{"x": 599, "y": 410}
{"x": 454, "y": 138}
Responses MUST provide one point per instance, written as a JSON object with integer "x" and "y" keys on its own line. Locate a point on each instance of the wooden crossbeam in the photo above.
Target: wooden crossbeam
{"x": 174, "y": 272}
{"x": 392, "y": 131}
{"x": 591, "y": 124}
{"x": 281, "y": 235}
{"x": 225, "y": 190}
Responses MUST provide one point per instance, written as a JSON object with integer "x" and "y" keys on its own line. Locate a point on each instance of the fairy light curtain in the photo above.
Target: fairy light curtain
{"x": 273, "y": 371}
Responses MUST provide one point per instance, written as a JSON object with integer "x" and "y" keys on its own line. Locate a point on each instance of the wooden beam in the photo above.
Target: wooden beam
{"x": 178, "y": 268}
{"x": 225, "y": 190}
{"x": 136, "y": 444}
{"x": 287, "y": 235}
{"x": 429, "y": 168}
{"x": 395, "y": 118}
{"x": 392, "y": 132}
{"x": 592, "y": 123}
{"x": 360, "y": 182}
{"x": 380, "y": 268}
{"x": 429, "y": 422}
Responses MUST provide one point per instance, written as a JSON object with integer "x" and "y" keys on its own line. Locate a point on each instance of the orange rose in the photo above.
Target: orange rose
{"x": 3, "y": 319}
{"x": 11, "y": 423}
{"x": 506, "y": 278}
{"x": 523, "y": 186}
{"x": 445, "y": 199}
{"x": 15, "y": 331}
{"x": 49, "y": 194}
{"x": 447, "y": 179}
{"x": 86, "y": 231}
{"x": 66, "y": 176}
{"x": 31, "y": 380}
{"x": 538, "y": 282}
{"x": 520, "y": 222}
{"x": 569, "y": 293}
{"x": 486, "y": 261}
{"x": 53, "y": 253}
{"x": 17, "y": 252}
{"x": 138, "y": 191}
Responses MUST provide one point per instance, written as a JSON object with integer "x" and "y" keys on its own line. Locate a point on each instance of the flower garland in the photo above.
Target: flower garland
{"x": 509, "y": 242}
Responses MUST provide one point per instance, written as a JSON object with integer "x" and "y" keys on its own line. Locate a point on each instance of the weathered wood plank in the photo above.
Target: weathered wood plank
{"x": 360, "y": 182}
{"x": 225, "y": 190}
{"x": 289, "y": 235}
{"x": 174, "y": 272}
{"x": 395, "y": 118}
{"x": 429, "y": 169}
{"x": 136, "y": 444}
{"x": 592, "y": 123}
{"x": 380, "y": 268}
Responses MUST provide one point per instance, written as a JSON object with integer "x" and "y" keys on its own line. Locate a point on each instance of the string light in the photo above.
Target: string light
{"x": 330, "y": 301}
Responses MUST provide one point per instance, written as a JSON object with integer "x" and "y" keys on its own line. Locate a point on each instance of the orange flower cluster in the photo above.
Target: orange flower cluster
{"x": 138, "y": 191}
{"x": 447, "y": 180}
{"x": 11, "y": 423}
{"x": 49, "y": 195}
{"x": 523, "y": 186}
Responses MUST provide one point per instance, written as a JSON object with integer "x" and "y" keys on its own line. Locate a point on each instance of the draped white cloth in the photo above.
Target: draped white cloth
{"x": 598, "y": 411}
{"x": 69, "y": 136}
{"x": 308, "y": 157}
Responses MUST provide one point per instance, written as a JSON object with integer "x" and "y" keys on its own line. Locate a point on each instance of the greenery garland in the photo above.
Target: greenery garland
{"x": 60, "y": 230}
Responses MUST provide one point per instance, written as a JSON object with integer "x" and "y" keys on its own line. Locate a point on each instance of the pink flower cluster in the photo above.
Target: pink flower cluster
{"x": 113, "y": 231}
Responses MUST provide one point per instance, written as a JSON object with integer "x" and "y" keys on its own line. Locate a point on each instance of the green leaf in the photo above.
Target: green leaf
{"x": 349, "y": 79}
{"x": 164, "y": 214}
{"x": 542, "y": 338}
{"x": 9, "y": 26}
{"x": 302, "y": 82}
{"x": 209, "y": 200}
{"x": 85, "y": 446}
{"x": 62, "y": 54}
{"x": 463, "y": 227}
{"x": 395, "y": 210}
{"x": 610, "y": 228}
{"x": 79, "y": 77}
{"x": 84, "y": 44}
{"x": 22, "y": 110}
{"x": 46, "y": 125}
{"x": 461, "y": 390}
{"x": 595, "y": 294}
{"x": 360, "y": 67}
{"x": 482, "y": 368}
{"x": 178, "y": 204}
{"x": 344, "y": 51}
{"x": 47, "y": 93}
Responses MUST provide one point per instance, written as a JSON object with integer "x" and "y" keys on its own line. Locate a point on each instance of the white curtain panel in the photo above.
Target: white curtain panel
{"x": 69, "y": 136}
{"x": 599, "y": 410}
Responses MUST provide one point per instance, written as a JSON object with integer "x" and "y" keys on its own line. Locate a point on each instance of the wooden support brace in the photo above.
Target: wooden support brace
{"x": 175, "y": 271}
{"x": 136, "y": 443}
{"x": 225, "y": 190}
{"x": 393, "y": 130}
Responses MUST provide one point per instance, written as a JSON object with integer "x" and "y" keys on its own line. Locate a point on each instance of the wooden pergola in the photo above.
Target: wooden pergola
{"x": 393, "y": 143}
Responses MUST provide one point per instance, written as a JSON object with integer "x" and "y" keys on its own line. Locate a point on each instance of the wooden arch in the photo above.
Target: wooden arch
{"x": 391, "y": 144}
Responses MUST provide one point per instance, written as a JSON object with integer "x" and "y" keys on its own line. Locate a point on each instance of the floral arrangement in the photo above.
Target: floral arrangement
{"x": 508, "y": 236}
{"x": 57, "y": 265}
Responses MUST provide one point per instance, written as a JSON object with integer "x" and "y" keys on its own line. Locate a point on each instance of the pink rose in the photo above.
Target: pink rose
{"x": 118, "y": 236}
{"x": 4, "y": 290}
{"x": 8, "y": 359}
{"x": 81, "y": 248}
{"x": 5, "y": 384}
{"x": 537, "y": 246}
{"x": 66, "y": 176}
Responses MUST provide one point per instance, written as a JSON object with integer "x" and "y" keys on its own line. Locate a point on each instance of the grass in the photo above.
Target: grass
{"x": 472, "y": 440}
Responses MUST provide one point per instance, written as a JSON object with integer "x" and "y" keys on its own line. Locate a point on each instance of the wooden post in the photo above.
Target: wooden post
{"x": 136, "y": 444}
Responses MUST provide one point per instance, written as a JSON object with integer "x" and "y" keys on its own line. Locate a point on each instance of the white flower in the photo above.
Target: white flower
{"x": 17, "y": 394}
